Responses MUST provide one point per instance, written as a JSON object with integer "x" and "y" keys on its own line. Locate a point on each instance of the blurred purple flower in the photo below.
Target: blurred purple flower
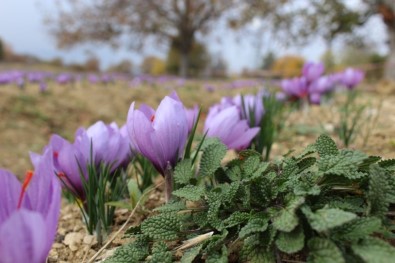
{"x": 227, "y": 125}
{"x": 29, "y": 215}
{"x": 296, "y": 87}
{"x": 192, "y": 114}
{"x": 159, "y": 136}
{"x": 321, "y": 85}
{"x": 251, "y": 107}
{"x": 352, "y": 77}
{"x": 315, "y": 98}
{"x": 312, "y": 71}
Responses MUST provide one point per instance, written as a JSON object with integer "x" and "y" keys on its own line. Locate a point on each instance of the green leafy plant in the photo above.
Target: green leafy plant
{"x": 322, "y": 205}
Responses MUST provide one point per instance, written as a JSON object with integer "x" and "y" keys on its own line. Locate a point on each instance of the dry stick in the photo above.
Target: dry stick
{"x": 122, "y": 228}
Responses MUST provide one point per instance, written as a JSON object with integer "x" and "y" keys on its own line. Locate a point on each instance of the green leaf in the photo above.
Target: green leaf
{"x": 161, "y": 254}
{"x": 162, "y": 227}
{"x": 236, "y": 218}
{"x": 254, "y": 250}
{"x": 326, "y": 146}
{"x": 373, "y": 250}
{"x": 324, "y": 251}
{"x": 190, "y": 192}
{"x": 367, "y": 162}
{"x": 286, "y": 219}
{"x": 254, "y": 225}
{"x": 357, "y": 229}
{"x": 250, "y": 165}
{"x": 327, "y": 218}
{"x": 134, "y": 192}
{"x": 191, "y": 254}
{"x": 211, "y": 158}
{"x": 310, "y": 149}
{"x": 218, "y": 257}
{"x": 291, "y": 242}
{"x": 306, "y": 163}
{"x": 345, "y": 164}
{"x": 133, "y": 252}
{"x": 171, "y": 206}
{"x": 183, "y": 172}
{"x": 388, "y": 164}
{"x": 378, "y": 199}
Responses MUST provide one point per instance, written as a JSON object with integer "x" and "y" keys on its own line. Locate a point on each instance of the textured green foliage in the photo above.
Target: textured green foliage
{"x": 255, "y": 251}
{"x": 183, "y": 172}
{"x": 326, "y": 146}
{"x": 163, "y": 227}
{"x": 211, "y": 158}
{"x": 378, "y": 198}
{"x": 324, "y": 251}
{"x": 324, "y": 205}
{"x": 327, "y": 218}
{"x": 190, "y": 192}
{"x": 346, "y": 164}
{"x": 134, "y": 252}
{"x": 373, "y": 250}
{"x": 191, "y": 254}
{"x": 255, "y": 225}
{"x": 160, "y": 254}
{"x": 291, "y": 242}
{"x": 358, "y": 228}
{"x": 286, "y": 219}
{"x": 388, "y": 164}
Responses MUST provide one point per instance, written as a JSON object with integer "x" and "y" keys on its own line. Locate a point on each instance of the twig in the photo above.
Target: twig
{"x": 121, "y": 229}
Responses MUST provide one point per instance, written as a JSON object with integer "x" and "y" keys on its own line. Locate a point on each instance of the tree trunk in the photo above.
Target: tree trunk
{"x": 389, "y": 71}
{"x": 184, "y": 64}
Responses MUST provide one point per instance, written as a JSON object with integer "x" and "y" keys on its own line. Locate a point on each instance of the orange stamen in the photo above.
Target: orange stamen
{"x": 26, "y": 182}
{"x": 152, "y": 118}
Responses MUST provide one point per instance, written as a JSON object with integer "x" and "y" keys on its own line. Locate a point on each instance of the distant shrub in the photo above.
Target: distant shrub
{"x": 288, "y": 66}
{"x": 153, "y": 65}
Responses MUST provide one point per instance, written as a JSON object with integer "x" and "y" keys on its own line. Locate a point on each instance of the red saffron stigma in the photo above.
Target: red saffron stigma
{"x": 61, "y": 174}
{"x": 55, "y": 154}
{"x": 28, "y": 178}
{"x": 152, "y": 118}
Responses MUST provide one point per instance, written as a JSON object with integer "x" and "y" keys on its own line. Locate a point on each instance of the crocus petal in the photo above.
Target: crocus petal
{"x": 9, "y": 194}
{"x": 244, "y": 140}
{"x": 23, "y": 238}
{"x": 171, "y": 128}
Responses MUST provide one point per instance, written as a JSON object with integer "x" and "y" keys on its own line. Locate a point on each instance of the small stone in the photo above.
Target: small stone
{"x": 73, "y": 240}
{"x": 89, "y": 240}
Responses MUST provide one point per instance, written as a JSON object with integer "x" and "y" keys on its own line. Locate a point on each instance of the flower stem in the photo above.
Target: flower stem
{"x": 168, "y": 182}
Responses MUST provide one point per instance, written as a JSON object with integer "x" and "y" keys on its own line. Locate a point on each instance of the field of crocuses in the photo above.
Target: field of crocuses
{"x": 219, "y": 154}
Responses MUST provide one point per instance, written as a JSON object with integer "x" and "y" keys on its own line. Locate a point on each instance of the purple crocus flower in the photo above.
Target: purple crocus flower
{"x": 315, "y": 98}
{"x": 29, "y": 215}
{"x": 192, "y": 114}
{"x": 352, "y": 77}
{"x": 296, "y": 87}
{"x": 312, "y": 71}
{"x": 108, "y": 145}
{"x": 227, "y": 125}
{"x": 321, "y": 85}
{"x": 250, "y": 105}
{"x": 159, "y": 135}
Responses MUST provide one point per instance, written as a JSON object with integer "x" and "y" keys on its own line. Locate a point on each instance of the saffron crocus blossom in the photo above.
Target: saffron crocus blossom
{"x": 352, "y": 77}
{"x": 312, "y": 71}
{"x": 251, "y": 107}
{"x": 321, "y": 85}
{"x": 108, "y": 144}
{"x": 159, "y": 135}
{"x": 29, "y": 213}
{"x": 227, "y": 125}
{"x": 192, "y": 115}
{"x": 296, "y": 87}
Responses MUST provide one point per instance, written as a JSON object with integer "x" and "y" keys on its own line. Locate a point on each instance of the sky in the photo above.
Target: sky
{"x": 22, "y": 26}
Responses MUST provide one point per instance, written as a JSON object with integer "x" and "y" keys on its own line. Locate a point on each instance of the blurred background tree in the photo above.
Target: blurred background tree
{"x": 104, "y": 21}
{"x": 199, "y": 58}
{"x": 268, "y": 60}
{"x": 153, "y": 65}
{"x": 124, "y": 66}
{"x": 2, "y": 52}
